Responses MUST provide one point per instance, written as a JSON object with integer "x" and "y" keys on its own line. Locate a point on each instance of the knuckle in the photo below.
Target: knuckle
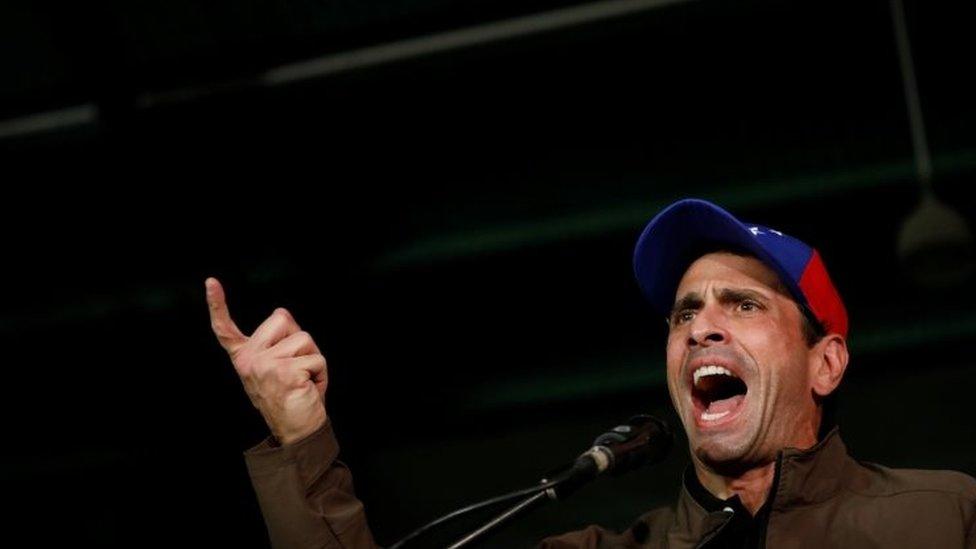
{"x": 282, "y": 374}
{"x": 282, "y": 313}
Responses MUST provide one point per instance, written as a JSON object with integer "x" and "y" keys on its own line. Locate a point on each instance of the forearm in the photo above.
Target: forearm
{"x": 306, "y": 495}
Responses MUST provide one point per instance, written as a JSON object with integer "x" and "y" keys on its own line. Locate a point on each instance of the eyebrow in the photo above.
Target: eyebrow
{"x": 695, "y": 301}
{"x": 735, "y": 295}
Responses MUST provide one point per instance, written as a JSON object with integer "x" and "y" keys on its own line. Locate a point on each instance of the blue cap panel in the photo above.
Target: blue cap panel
{"x": 682, "y": 231}
{"x": 791, "y": 254}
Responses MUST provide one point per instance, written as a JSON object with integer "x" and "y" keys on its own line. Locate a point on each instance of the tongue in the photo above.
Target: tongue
{"x": 725, "y": 405}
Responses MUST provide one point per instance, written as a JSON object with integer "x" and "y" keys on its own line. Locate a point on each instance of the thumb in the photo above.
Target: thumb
{"x": 228, "y": 334}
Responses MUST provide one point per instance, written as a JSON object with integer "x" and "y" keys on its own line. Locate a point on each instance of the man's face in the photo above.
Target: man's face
{"x": 738, "y": 364}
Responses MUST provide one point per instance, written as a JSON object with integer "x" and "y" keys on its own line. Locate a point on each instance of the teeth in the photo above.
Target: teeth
{"x": 712, "y": 417}
{"x": 710, "y": 370}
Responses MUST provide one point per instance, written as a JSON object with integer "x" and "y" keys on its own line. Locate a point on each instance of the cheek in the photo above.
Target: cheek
{"x": 782, "y": 361}
{"x": 761, "y": 343}
{"x": 675, "y": 347}
{"x": 674, "y": 355}
{"x": 674, "y": 359}
{"x": 773, "y": 350}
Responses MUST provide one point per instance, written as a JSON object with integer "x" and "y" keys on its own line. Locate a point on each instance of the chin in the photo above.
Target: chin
{"x": 726, "y": 457}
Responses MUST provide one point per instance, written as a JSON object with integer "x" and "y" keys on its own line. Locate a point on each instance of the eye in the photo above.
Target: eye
{"x": 682, "y": 316}
{"x": 749, "y": 306}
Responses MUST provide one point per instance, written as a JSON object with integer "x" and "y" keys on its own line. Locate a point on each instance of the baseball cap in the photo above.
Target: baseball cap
{"x": 685, "y": 230}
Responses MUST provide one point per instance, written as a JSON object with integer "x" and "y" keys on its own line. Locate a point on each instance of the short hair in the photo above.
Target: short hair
{"x": 813, "y": 330}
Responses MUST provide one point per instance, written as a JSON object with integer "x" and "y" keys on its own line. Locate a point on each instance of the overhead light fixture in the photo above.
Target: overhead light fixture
{"x": 934, "y": 243}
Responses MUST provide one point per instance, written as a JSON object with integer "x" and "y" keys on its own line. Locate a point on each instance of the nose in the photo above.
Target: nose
{"x": 707, "y": 328}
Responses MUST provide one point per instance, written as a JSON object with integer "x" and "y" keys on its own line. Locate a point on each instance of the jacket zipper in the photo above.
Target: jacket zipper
{"x": 714, "y": 533}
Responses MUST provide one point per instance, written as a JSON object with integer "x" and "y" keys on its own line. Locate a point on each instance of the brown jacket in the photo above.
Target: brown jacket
{"x": 821, "y": 498}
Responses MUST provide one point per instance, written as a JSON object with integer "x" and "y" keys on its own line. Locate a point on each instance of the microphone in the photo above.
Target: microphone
{"x": 642, "y": 440}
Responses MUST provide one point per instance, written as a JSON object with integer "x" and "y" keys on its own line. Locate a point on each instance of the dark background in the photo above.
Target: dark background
{"x": 455, "y": 229}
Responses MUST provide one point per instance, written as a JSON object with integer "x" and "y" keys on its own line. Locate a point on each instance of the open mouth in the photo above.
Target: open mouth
{"x": 716, "y": 392}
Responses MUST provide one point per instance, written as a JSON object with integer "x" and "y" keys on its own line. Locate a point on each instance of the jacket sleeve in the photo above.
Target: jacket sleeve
{"x": 306, "y": 495}
{"x": 971, "y": 534}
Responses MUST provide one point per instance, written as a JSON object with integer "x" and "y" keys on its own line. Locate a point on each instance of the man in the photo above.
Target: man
{"x": 756, "y": 347}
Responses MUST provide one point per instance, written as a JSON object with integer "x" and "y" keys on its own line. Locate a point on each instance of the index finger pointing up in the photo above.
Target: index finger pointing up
{"x": 227, "y": 332}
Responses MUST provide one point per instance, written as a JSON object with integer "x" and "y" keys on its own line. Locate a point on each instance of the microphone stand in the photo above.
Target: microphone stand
{"x": 528, "y": 503}
{"x": 542, "y": 487}
{"x": 565, "y": 483}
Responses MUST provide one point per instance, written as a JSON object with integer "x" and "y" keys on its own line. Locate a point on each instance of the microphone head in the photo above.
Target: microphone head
{"x": 642, "y": 440}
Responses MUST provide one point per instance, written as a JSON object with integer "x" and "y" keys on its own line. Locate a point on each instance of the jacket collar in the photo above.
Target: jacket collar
{"x": 813, "y": 475}
{"x": 803, "y": 477}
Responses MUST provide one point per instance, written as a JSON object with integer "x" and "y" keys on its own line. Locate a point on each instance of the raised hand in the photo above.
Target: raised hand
{"x": 283, "y": 371}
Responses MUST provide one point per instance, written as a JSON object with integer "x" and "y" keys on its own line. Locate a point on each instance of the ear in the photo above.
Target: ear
{"x": 828, "y": 362}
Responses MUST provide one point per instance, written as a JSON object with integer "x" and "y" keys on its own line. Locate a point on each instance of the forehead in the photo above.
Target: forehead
{"x": 729, "y": 269}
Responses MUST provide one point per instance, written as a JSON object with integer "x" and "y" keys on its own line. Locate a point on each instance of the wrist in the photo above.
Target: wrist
{"x": 292, "y": 436}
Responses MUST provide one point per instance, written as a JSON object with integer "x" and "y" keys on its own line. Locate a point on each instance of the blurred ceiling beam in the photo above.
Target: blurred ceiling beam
{"x": 445, "y": 246}
{"x": 48, "y": 121}
{"x": 333, "y": 64}
{"x": 477, "y": 35}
